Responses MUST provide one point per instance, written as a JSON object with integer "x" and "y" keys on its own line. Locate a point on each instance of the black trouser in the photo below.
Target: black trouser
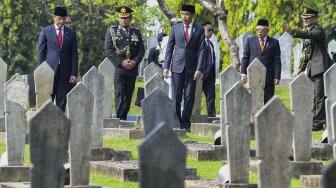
{"x": 123, "y": 92}
{"x": 209, "y": 89}
{"x": 319, "y": 101}
{"x": 184, "y": 83}
{"x": 268, "y": 92}
{"x": 60, "y": 90}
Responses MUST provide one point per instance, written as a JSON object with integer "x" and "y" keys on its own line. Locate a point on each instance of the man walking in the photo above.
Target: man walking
{"x": 186, "y": 62}
{"x": 125, "y": 48}
{"x": 315, "y": 59}
{"x": 267, "y": 50}
{"x": 58, "y": 46}
{"x": 209, "y": 71}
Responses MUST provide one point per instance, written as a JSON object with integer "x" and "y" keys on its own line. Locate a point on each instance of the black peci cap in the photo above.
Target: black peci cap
{"x": 188, "y": 8}
{"x": 60, "y": 11}
{"x": 262, "y": 22}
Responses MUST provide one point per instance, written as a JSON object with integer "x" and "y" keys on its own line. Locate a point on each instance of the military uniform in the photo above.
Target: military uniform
{"x": 316, "y": 60}
{"x": 124, "y": 44}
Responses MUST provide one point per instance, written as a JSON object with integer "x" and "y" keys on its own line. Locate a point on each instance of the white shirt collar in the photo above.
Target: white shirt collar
{"x": 190, "y": 25}
{"x": 265, "y": 38}
{"x": 56, "y": 27}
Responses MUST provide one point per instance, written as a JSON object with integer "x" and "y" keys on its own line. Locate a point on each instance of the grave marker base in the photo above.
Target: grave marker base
{"x": 14, "y": 174}
{"x": 128, "y": 171}
{"x": 204, "y": 129}
{"x": 133, "y": 133}
{"x": 311, "y": 181}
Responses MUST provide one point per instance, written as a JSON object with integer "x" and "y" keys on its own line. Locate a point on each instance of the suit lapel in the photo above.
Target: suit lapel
{"x": 191, "y": 34}
{"x": 183, "y": 33}
{"x": 65, "y": 36}
{"x": 53, "y": 34}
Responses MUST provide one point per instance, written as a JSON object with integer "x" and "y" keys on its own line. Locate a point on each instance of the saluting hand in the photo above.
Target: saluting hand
{"x": 286, "y": 28}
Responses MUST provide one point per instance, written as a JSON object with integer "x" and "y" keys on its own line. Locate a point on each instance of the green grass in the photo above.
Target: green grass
{"x": 205, "y": 169}
{"x": 102, "y": 180}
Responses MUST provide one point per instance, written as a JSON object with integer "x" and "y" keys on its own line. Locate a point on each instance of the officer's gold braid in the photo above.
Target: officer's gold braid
{"x": 119, "y": 51}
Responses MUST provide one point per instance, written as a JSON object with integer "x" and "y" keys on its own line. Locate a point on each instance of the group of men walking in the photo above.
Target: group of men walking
{"x": 189, "y": 54}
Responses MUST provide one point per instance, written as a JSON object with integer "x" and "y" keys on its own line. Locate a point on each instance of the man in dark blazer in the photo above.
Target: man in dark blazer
{"x": 209, "y": 71}
{"x": 57, "y": 45}
{"x": 185, "y": 63}
{"x": 125, "y": 48}
{"x": 153, "y": 55}
{"x": 315, "y": 59}
{"x": 267, "y": 50}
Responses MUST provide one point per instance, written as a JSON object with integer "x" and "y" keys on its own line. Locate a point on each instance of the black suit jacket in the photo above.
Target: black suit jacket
{"x": 153, "y": 56}
{"x": 270, "y": 57}
{"x": 207, "y": 70}
{"x": 65, "y": 58}
{"x": 137, "y": 49}
{"x": 182, "y": 55}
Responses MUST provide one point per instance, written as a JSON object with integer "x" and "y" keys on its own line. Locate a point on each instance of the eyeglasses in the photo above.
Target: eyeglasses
{"x": 210, "y": 30}
{"x": 69, "y": 23}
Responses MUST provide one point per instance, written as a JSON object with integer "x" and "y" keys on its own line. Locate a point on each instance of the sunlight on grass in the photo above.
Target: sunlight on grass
{"x": 124, "y": 144}
{"x": 194, "y": 137}
{"x": 206, "y": 169}
{"x": 102, "y": 180}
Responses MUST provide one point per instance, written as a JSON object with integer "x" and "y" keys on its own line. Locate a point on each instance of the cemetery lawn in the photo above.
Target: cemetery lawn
{"x": 205, "y": 170}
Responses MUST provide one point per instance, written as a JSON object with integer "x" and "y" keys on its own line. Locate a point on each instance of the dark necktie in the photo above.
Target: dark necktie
{"x": 262, "y": 45}
{"x": 59, "y": 37}
{"x": 209, "y": 57}
{"x": 186, "y": 33}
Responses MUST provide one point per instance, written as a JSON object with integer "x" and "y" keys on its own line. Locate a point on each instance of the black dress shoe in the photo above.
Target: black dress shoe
{"x": 188, "y": 130}
{"x": 317, "y": 127}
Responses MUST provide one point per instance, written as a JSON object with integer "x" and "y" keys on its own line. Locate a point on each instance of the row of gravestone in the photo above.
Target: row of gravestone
{"x": 287, "y": 52}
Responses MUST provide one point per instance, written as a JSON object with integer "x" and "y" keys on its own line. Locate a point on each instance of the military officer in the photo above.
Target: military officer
{"x": 125, "y": 48}
{"x": 315, "y": 59}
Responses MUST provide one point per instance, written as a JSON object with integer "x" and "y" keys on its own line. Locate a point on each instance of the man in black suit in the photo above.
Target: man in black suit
{"x": 57, "y": 45}
{"x": 125, "y": 48}
{"x": 209, "y": 71}
{"x": 315, "y": 59}
{"x": 267, "y": 50}
{"x": 186, "y": 62}
{"x": 153, "y": 55}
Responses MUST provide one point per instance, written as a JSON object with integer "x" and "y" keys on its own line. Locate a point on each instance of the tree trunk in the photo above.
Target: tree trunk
{"x": 165, "y": 9}
{"x": 219, "y": 12}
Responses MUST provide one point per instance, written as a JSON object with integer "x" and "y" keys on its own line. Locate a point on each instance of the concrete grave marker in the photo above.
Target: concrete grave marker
{"x": 198, "y": 98}
{"x": 329, "y": 92}
{"x": 16, "y": 124}
{"x": 44, "y": 82}
{"x": 16, "y": 90}
{"x": 3, "y": 77}
{"x": 256, "y": 73}
{"x": 157, "y": 107}
{"x": 297, "y": 57}
{"x": 49, "y": 136}
{"x": 329, "y": 172}
{"x": 238, "y": 132}
{"x": 156, "y": 82}
{"x": 274, "y": 136}
{"x": 79, "y": 110}
{"x": 241, "y": 41}
{"x": 229, "y": 77}
{"x": 151, "y": 70}
{"x": 106, "y": 68}
{"x": 162, "y": 159}
{"x": 302, "y": 98}
{"x": 277, "y": 36}
{"x": 286, "y": 46}
{"x": 94, "y": 81}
